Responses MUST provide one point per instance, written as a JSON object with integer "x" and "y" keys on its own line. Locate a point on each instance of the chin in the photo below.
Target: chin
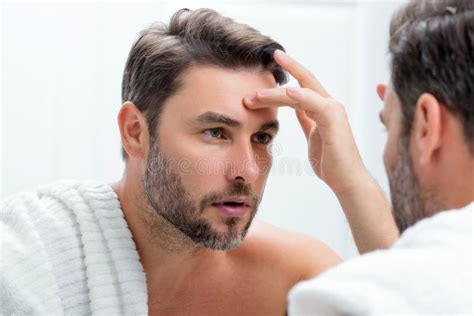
{"x": 228, "y": 235}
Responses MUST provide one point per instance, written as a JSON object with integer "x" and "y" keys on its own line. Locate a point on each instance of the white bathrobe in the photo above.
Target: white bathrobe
{"x": 66, "y": 249}
{"x": 427, "y": 271}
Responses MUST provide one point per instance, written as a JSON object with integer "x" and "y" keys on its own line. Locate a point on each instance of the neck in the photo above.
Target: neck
{"x": 170, "y": 259}
{"x": 453, "y": 181}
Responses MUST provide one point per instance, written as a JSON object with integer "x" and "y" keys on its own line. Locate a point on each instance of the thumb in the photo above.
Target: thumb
{"x": 306, "y": 123}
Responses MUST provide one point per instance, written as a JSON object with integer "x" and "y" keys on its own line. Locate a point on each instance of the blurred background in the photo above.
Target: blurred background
{"x": 61, "y": 74}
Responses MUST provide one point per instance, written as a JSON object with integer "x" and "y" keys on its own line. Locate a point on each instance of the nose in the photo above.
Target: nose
{"x": 381, "y": 90}
{"x": 242, "y": 164}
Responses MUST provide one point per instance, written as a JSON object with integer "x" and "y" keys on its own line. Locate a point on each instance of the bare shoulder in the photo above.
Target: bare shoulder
{"x": 302, "y": 255}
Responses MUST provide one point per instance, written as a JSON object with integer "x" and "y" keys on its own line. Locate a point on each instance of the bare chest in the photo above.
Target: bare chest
{"x": 231, "y": 295}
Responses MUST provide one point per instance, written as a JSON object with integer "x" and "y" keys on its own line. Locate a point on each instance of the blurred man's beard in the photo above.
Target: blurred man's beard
{"x": 168, "y": 197}
{"x": 407, "y": 198}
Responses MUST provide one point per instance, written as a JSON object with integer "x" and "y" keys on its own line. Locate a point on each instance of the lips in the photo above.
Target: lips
{"x": 233, "y": 207}
{"x": 241, "y": 200}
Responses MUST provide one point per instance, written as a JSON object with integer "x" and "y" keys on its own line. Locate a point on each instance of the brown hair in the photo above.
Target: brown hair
{"x": 162, "y": 53}
{"x": 432, "y": 50}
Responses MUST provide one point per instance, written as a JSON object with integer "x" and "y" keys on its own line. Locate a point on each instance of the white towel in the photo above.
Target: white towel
{"x": 66, "y": 249}
{"x": 427, "y": 271}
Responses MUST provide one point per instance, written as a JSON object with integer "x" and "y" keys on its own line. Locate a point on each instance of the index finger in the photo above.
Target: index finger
{"x": 304, "y": 77}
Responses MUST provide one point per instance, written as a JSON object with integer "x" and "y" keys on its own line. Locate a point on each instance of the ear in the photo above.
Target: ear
{"x": 427, "y": 127}
{"x": 133, "y": 131}
{"x": 381, "y": 90}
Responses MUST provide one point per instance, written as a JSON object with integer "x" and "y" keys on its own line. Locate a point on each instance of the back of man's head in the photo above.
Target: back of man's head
{"x": 162, "y": 53}
{"x": 432, "y": 50}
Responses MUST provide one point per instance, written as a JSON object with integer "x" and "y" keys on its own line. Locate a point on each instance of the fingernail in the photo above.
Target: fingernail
{"x": 280, "y": 53}
{"x": 263, "y": 93}
{"x": 249, "y": 98}
{"x": 292, "y": 91}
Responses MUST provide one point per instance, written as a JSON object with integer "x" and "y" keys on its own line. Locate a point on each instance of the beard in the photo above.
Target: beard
{"x": 408, "y": 202}
{"x": 167, "y": 196}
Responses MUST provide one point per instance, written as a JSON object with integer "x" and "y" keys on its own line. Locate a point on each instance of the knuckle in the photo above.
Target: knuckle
{"x": 311, "y": 75}
{"x": 339, "y": 107}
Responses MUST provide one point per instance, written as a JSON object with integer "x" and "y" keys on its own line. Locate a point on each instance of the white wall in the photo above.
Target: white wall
{"x": 61, "y": 73}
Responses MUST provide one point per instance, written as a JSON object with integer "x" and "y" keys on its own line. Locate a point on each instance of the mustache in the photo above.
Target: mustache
{"x": 239, "y": 189}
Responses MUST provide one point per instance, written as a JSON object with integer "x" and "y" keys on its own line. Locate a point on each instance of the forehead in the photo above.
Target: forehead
{"x": 210, "y": 88}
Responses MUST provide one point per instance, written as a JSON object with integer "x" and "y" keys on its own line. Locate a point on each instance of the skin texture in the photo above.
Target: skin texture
{"x": 430, "y": 170}
{"x": 407, "y": 198}
{"x": 334, "y": 154}
{"x": 183, "y": 276}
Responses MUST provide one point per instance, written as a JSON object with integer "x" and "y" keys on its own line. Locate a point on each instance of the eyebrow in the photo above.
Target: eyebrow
{"x": 270, "y": 125}
{"x": 214, "y": 117}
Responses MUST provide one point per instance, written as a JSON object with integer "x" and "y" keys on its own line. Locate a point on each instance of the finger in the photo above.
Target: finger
{"x": 297, "y": 98}
{"x": 317, "y": 108}
{"x": 306, "y": 123}
{"x": 275, "y": 97}
{"x": 317, "y": 150}
{"x": 304, "y": 77}
{"x": 305, "y": 99}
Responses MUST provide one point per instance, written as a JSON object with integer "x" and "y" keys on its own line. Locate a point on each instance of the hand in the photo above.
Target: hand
{"x": 332, "y": 149}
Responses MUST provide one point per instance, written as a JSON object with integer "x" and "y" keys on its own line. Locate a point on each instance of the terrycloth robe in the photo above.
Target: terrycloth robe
{"x": 66, "y": 249}
{"x": 427, "y": 271}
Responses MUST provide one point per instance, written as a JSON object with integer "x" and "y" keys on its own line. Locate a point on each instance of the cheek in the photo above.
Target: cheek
{"x": 264, "y": 163}
{"x": 200, "y": 171}
{"x": 390, "y": 153}
{"x": 386, "y": 159}
{"x": 196, "y": 167}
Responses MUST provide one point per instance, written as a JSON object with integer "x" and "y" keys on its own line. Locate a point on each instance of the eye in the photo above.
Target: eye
{"x": 262, "y": 138}
{"x": 214, "y": 132}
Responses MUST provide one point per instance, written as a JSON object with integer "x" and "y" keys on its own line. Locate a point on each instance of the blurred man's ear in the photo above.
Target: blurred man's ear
{"x": 427, "y": 128}
{"x": 133, "y": 131}
{"x": 381, "y": 90}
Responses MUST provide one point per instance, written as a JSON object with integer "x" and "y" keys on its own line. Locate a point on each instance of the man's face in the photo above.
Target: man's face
{"x": 207, "y": 168}
{"x": 406, "y": 194}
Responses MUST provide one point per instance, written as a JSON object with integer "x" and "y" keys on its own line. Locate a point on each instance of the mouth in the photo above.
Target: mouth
{"x": 233, "y": 207}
